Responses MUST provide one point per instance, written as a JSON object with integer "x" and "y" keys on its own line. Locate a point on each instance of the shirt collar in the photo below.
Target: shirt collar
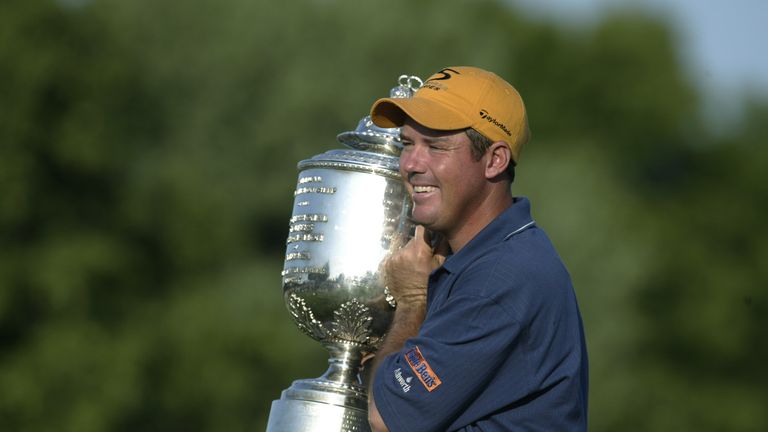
{"x": 513, "y": 220}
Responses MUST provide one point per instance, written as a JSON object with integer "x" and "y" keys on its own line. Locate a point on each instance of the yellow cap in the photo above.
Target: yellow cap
{"x": 461, "y": 97}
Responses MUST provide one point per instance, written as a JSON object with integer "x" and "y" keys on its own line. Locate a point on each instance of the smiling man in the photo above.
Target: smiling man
{"x": 487, "y": 334}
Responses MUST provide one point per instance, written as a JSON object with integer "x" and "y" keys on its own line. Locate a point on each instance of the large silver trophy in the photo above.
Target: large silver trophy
{"x": 350, "y": 208}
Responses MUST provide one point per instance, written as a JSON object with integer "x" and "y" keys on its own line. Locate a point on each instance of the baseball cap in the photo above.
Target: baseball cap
{"x": 461, "y": 97}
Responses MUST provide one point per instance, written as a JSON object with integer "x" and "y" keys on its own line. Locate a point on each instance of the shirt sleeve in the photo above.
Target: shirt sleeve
{"x": 438, "y": 374}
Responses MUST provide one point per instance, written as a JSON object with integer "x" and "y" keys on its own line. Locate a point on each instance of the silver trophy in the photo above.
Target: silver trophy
{"x": 350, "y": 209}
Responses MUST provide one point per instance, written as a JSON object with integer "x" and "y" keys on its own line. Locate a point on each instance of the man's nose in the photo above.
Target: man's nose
{"x": 412, "y": 160}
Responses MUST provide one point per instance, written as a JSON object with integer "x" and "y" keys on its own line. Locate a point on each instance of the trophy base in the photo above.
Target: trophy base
{"x": 319, "y": 406}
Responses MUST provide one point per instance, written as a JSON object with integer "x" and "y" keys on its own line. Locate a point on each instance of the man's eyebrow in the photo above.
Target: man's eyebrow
{"x": 427, "y": 139}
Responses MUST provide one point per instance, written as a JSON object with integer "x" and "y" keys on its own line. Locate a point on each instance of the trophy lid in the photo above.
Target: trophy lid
{"x": 369, "y": 137}
{"x": 372, "y": 148}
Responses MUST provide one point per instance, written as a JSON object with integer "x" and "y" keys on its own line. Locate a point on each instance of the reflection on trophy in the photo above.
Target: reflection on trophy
{"x": 350, "y": 208}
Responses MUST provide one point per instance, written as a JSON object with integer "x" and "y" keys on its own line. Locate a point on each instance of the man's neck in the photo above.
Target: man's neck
{"x": 490, "y": 208}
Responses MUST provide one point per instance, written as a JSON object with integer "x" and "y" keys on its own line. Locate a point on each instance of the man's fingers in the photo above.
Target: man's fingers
{"x": 420, "y": 233}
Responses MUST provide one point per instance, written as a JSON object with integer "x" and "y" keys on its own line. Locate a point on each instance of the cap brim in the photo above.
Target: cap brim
{"x": 392, "y": 112}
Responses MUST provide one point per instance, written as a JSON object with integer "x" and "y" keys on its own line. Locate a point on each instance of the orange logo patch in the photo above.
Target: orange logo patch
{"x": 422, "y": 370}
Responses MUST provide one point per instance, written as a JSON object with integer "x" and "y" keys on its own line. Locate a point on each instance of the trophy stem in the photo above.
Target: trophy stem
{"x": 344, "y": 364}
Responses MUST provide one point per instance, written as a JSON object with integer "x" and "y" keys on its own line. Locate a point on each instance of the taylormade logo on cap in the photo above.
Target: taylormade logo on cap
{"x": 484, "y": 115}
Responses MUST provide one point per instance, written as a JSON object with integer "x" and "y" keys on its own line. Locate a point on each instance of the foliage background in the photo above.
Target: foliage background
{"x": 147, "y": 163}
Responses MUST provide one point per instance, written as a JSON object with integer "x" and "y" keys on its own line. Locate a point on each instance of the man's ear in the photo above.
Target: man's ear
{"x": 499, "y": 158}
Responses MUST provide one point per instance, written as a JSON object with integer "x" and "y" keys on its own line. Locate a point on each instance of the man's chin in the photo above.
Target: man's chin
{"x": 424, "y": 215}
{"x": 423, "y": 221}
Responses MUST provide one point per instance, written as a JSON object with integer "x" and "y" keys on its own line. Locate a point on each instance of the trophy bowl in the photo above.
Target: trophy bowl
{"x": 350, "y": 208}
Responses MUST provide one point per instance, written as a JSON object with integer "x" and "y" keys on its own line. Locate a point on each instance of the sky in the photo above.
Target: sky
{"x": 723, "y": 42}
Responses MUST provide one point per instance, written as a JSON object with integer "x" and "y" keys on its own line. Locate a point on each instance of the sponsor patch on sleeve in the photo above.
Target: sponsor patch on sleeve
{"x": 421, "y": 368}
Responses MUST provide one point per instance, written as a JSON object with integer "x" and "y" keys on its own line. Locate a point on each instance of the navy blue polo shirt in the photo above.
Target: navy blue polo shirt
{"x": 502, "y": 345}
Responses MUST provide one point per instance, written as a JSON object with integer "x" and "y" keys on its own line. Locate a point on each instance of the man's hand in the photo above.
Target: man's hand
{"x": 406, "y": 273}
{"x": 407, "y": 270}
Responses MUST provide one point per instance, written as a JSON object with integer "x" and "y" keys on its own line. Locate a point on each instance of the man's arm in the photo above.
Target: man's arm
{"x": 406, "y": 274}
{"x": 408, "y": 319}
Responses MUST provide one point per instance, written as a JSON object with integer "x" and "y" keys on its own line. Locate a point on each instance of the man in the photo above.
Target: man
{"x": 487, "y": 334}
